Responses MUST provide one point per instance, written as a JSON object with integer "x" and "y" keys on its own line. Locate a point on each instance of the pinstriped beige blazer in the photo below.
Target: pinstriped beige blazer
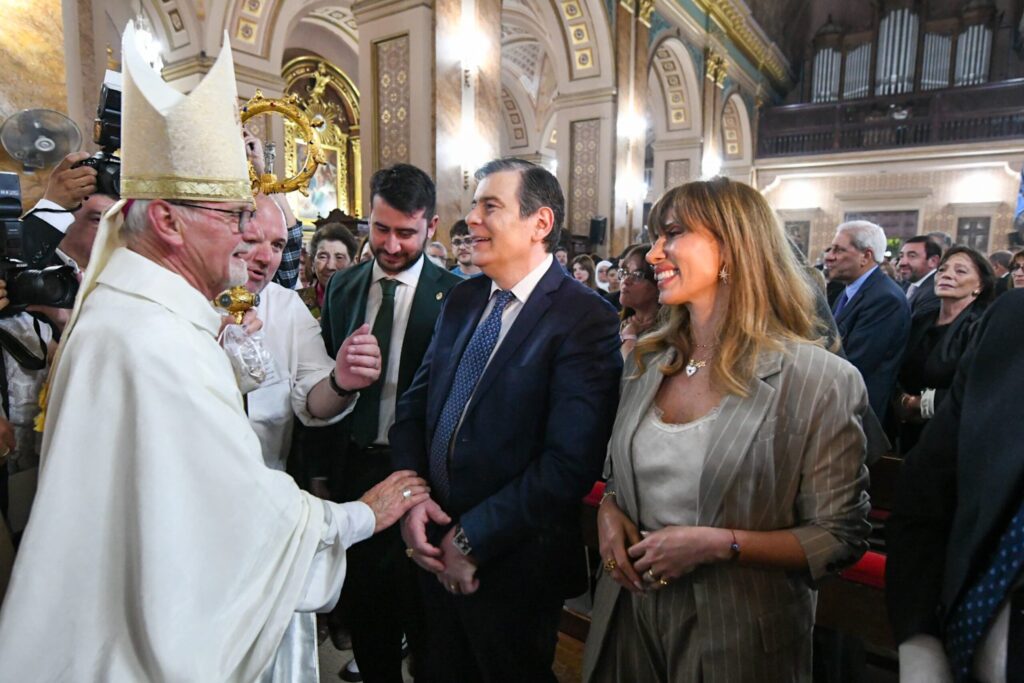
{"x": 788, "y": 456}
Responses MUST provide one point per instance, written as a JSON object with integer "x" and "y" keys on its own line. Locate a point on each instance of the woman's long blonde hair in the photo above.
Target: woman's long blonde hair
{"x": 770, "y": 301}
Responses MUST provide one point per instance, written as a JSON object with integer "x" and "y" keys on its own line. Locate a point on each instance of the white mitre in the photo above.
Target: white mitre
{"x": 176, "y": 146}
{"x": 173, "y": 146}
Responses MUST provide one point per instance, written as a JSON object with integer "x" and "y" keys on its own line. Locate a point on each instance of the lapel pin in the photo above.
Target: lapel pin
{"x": 439, "y": 296}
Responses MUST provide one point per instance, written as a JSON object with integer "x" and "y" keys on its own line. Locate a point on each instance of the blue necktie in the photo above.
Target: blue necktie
{"x": 972, "y": 616}
{"x": 840, "y": 304}
{"x": 471, "y": 367}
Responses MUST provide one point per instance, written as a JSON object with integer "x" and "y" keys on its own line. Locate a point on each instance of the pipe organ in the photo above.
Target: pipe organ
{"x": 901, "y": 53}
{"x": 935, "y": 63}
{"x": 973, "y": 51}
{"x": 897, "y": 50}
{"x": 858, "y": 72}
{"x": 826, "y": 75}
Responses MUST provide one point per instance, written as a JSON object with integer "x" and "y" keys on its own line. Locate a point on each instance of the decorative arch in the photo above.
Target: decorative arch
{"x": 581, "y": 48}
{"x": 736, "y": 133}
{"x": 674, "y": 77}
{"x": 176, "y": 25}
{"x": 520, "y": 131}
{"x": 520, "y": 24}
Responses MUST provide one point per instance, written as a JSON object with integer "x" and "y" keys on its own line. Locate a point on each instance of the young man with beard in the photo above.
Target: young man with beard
{"x": 399, "y": 294}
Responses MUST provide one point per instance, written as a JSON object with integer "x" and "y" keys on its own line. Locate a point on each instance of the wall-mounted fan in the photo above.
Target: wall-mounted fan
{"x": 39, "y": 138}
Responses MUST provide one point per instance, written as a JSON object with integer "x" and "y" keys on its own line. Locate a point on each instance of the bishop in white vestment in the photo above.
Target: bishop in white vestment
{"x": 160, "y": 547}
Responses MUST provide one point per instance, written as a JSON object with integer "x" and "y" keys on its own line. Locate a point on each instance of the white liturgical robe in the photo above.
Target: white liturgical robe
{"x": 292, "y": 336}
{"x": 160, "y": 547}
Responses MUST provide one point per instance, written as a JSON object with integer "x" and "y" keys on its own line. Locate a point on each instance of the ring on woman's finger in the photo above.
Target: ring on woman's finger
{"x": 407, "y": 494}
{"x": 610, "y": 564}
{"x": 649, "y": 576}
{"x": 662, "y": 582}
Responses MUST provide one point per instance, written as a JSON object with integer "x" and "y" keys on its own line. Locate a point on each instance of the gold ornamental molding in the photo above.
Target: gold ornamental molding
{"x": 734, "y": 18}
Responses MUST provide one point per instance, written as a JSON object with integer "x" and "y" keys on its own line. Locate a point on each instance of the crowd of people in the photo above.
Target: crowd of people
{"x": 404, "y": 443}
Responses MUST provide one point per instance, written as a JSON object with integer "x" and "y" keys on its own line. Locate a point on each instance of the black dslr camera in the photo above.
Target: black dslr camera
{"x": 106, "y": 133}
{"x": 26, "y": 285}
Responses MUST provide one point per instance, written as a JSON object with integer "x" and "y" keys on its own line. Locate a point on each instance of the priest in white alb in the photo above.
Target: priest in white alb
{"x": 160, "y": 547}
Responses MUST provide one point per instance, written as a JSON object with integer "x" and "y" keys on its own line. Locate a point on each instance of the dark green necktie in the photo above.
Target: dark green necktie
{"x": 366, "y": 415}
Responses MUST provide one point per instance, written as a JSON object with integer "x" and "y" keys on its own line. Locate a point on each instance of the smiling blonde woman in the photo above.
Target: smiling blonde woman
{"x": 736, "y": 463}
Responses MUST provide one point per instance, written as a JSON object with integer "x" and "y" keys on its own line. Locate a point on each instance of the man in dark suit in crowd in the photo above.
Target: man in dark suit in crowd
{"x": 919, "y": 257}
{"x": 397, "y": 296}
{"x": 68, "y": 214}
{"x": 1001, "y": 261}
{"x": 508, "y": 418}
{"x": 872, "y": 312}
{"x": 955, "y": 588}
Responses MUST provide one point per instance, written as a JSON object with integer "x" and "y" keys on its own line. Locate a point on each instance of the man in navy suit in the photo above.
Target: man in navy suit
{"x": 508, "y": 417}
{"x": 872, "y": 313}
{"x": 919, "y": 257}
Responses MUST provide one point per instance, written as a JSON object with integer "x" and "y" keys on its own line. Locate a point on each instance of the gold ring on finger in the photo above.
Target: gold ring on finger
{"x": 649, "y": 575}
{"x": 663, "y": 582}
{"x": 409, "y": 552}
{"x": 610, "y": 564}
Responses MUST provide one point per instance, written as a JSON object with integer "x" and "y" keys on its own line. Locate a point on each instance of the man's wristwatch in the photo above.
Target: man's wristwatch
{"x": 460, "y": 541}
{"x": 336, "y": 388}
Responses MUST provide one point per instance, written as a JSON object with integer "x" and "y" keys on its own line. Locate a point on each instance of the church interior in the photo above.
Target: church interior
{"x": 905, "y": 111}
{"x": 908, "y": 113}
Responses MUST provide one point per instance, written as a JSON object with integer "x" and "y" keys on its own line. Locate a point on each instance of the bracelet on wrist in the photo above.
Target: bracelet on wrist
{"x": 336, "y": 388}
{"x": 604, "y": 495}
{"x": 734, "y": 547}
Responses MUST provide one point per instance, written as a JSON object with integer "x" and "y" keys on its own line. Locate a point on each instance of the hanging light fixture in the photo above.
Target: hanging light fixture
{"x": 145, "y": 39}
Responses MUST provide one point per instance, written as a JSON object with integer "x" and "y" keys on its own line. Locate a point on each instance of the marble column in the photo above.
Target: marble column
{"x": 631, "y": 31}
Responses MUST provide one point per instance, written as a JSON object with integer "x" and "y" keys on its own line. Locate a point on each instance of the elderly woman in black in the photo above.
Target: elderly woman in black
{"x": 964, "y": 283}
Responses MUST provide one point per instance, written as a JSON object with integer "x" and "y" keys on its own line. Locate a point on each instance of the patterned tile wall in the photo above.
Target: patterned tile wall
{"x": 677, "y": 172}
{"x": 584, "y": 141}
{"x": 391, "y": 64}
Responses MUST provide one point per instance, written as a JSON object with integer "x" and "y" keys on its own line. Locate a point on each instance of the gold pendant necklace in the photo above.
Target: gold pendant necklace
{"x": 692, "y": 366}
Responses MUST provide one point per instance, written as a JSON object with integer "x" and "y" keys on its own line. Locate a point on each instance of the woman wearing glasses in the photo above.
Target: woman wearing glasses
{"x": 1017, "y": 270}
{"x": 737, "y": 474}
{"x": 638, "y": 295}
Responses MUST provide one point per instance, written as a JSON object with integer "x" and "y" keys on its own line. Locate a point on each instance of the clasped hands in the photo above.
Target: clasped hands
{"x": 455, "y": 571}
{"x": 642, "y": 561}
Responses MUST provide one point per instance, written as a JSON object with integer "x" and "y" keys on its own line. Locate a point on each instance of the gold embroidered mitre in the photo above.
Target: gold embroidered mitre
{"x": 177, "y": 146}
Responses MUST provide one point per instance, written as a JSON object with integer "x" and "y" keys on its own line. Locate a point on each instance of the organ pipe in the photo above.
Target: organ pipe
{"x": 973, "y": 53}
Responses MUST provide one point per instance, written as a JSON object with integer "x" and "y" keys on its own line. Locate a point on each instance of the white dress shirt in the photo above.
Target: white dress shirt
{"x": 521, "y": 291}
{"x": 914, "y": 286}
{"x": 407, "y": 281}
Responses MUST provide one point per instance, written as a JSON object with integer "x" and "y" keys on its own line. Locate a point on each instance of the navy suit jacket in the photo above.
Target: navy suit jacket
{"x": 534, "y": 435}
{"x": 874, "y": 327}
{"x": 926, "y": 301}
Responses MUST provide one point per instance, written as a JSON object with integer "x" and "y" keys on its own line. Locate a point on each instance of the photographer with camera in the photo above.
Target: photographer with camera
{"x": 68, "y": 215}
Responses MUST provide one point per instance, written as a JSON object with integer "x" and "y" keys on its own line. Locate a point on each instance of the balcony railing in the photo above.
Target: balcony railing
{"x": 984, "y": 112}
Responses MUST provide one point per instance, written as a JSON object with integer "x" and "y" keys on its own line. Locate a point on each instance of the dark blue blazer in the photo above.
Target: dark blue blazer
{"x": 534, "y": 435}
{"x": 874, "y": 327}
